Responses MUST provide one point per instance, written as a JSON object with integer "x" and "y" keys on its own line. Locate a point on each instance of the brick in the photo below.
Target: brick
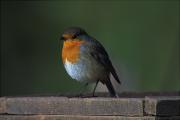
{"x": 2, "y": 105}
{"x": 76, "y": 117}
{"x": 162, "y": 106}
{"x": 75, "y": 106}
{"x": 168, "y": 118}
{"x": 71, "y": 117}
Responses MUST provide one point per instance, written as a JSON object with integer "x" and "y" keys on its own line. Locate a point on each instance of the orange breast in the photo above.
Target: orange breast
{"x": 71, "y": 50}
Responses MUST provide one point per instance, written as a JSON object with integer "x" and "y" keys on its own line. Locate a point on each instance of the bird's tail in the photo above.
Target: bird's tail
{"x": 111, "y": 88}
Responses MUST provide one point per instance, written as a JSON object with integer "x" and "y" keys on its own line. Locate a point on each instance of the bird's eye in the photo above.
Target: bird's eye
{"x": 74, "y": 36}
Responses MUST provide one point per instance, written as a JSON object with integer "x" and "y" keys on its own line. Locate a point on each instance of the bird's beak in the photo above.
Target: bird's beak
{"x": 62, "y": 38}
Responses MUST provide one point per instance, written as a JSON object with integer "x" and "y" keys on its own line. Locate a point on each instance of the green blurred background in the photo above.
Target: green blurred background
{"x": 141, "y": 37}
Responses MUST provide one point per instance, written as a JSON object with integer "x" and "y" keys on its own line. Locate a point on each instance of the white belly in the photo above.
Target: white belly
{"x": 84, "y": 71}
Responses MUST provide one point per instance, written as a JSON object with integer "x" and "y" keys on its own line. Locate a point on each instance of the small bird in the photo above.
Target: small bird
{"x": 86, "y": 60}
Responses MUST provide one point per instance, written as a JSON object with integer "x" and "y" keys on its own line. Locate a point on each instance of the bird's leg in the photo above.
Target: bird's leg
{"x": 83, "y": 89}
{"x": 95, "y": 87}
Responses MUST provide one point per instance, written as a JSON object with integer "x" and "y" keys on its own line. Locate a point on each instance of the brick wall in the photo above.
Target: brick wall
{"x": 131, "y": 106}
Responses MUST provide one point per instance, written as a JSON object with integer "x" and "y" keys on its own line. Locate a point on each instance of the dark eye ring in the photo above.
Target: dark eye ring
{"x": 74, "y": 36}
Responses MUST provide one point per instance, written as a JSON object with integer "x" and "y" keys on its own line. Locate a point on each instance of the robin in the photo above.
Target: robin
{"x": 86, "y": 60}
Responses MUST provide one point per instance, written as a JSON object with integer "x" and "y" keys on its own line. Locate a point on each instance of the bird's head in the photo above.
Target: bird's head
{"x": 72, "y": 33}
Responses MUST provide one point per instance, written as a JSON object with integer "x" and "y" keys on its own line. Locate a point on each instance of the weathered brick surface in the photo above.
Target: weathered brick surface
{"x": 75, "y": 106}
{"x": 76, "y": 117}
{"x": 136, "y": 107}
{"x": 70, "y": 117}
{"x": 2, "y": 105}
{"x": 162, "y": 106}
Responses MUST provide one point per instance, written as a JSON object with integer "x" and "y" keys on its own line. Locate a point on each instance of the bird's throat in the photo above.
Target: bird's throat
{"x": 71, "y": 51}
